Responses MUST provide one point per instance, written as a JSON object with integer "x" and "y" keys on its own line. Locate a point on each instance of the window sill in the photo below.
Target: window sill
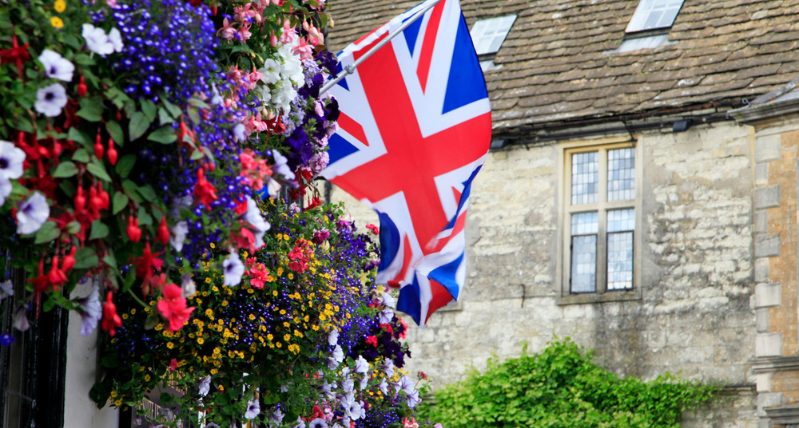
{"x": 613, "y": 296}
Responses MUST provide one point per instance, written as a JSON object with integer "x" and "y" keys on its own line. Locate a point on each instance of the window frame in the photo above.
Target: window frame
{"x": 630, "y": 29}
{"x": 477, "y": 38}
{"x": 564, "y": 296}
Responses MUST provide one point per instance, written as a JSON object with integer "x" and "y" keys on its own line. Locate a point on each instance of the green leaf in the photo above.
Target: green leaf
{"x": 115, "y": 130}
{"x": 73, "y": 227}
{"x": 72, "y": 41}
{"x": 164, "y": 135}
{"x": 48, "y": 305}
{"x": 173, "y": 109}
{"x": 194, "y": 114}
{"x": 111, "y": 261}
{"x": 138, "y": 125}
{"x": 130, "y": 278}
{"x": 91, "y": 108}
{"x": 125, "y": 165}
{"x": 196, "y": 102}
{"x": 77, "y": 136}
{"x": 132, "y": 190}
{"x": 164, "y": 117}
{"x": 98, "y": 170}
{"x": 47, "y": 232}
{"x": 99, "y": 230}
{"x": 144, "y": 218}
{"x": 120, "y": 202}
{"x": 85, "y": 258}
{"x": 84, "y": 59}
{"x": 148, "y": 193}
{"x": 81, "y": 155}
{"x": 148, "y": 108}
{"x": 23, "y": 124}
{"x": 65, "y": 169}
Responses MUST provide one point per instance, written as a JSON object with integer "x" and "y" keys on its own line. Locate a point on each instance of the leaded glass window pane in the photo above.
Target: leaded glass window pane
{"x": 621, "y": 174}
{"x": 585, "y": 178}
{"x": 583, "y": 270}
{"x": 621, "y": 224}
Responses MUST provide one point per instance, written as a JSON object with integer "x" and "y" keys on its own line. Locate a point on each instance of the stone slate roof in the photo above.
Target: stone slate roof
{"x": 556, "y": 67}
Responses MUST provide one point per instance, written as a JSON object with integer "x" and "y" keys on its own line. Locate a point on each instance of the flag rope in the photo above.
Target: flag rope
{"x": 351, "y": 68}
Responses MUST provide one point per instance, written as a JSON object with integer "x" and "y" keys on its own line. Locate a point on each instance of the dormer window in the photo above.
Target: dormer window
{"x": 650, "y": 25}
{"x": 654, "y": 15}
{"x": 488, "y": 35}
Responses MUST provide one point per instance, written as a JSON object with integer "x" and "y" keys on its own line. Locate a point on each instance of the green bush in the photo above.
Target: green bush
{"x": 562, "y": 387}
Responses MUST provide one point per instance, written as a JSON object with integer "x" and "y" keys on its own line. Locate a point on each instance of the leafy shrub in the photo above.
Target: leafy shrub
{"x": 562, "y": 387}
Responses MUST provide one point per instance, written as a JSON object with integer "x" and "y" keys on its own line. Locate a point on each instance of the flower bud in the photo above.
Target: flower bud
{"x": 112, "y": 152}
{"x": 69, "y": 261}
{"x": 133, "y": 230}
{"x": 98, "y": 147}
{"x": 82, "y": 89}
{"x": 163, "y": 232}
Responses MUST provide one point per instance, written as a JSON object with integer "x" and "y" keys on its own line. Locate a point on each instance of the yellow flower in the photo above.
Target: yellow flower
{"x": 214, "y": 371}
{"x": 133, "y": 311}
{"x": 279, "y": 344}
{"x": 146, "y": 378}
{"x": 279, "y": 273}
{"x": 209, "y": 312}
{"x": 245, "y": 254}
{"x": 56, "y": 22}
{"x": 170, "y": 345}
{"x": 208, "y": 281}
{"x": 114, "y": 394}
{"x": 60, "y": 6}
{"x": 274, "y": 293}
{"x": 269, "y": 336}
{"x": 200, "y": 340}
{"x": 291, "y": 275}
{"x": 251, "y": 317}
{"x": 224, "y": 303}
{"x": 124, "y": 316}
{"x": 287, "y": 338}
{"x": 213, "y": 245}
{"x": 216, "y": 290}
{"x": 118, "y": 402}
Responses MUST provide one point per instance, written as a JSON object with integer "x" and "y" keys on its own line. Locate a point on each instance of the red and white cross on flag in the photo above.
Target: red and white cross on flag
{"x": 414, "y": 130}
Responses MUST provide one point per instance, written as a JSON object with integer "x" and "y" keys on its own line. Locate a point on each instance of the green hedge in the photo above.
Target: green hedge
{"x": 562, "y": 387}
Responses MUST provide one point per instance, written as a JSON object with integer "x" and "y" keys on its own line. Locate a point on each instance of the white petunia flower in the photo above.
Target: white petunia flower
{"x": 205, "y": 386}
{"x": 91, "y": 311}
{"x": 178, "y": 236}
{"x": 11, "y": 159}
{"x": 332, "y": 337}
{"x": 115, "y": 37}
{"x": 234, "y": 269}
{"x": 96, "y": 40}
{"x": 389, "y": 300}
{"x": 32, "y": 213}
{"x": 50, "y": 100}
{"x": 187, "y": 285}
{"x": 253, "y": 216}
{"x": 361, "y": 365}
{"x": 56, "y": 66}
{"x": 386, "y": 316}
{"x": 253, "y": 409}
{"x": 270, "y": 73}
{"x": 6, "y": 289}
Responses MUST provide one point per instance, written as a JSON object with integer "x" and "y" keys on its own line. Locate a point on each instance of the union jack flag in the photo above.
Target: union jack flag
{"x": 414, "y": 130}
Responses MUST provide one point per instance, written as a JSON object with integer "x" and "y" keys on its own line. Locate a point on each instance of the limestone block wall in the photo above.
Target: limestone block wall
{"x": 695, "y": 316}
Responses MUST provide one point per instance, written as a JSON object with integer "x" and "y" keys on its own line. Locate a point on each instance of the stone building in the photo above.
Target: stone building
{"x": 634, "y": 199}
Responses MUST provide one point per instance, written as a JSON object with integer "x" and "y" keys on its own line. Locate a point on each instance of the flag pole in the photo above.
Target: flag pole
{"x": 351, "y": 68}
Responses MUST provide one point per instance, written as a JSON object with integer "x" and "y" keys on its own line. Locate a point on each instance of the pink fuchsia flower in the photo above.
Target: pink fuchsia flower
{"x": 173, "y": 307}
{"x": 55, "y": 66}
{"x": 373, "y": 228}
{"x": 405, "y": 331}
{"x": 32, "y": 213}
{"x": 438, "y": 425}
{"x": 259, "y": 276}
{"x": 173, "y": 365}
{"x": 50, "y": 100}
{"x": 409, "y": 424}
{"x": 227, "y": 32}
{"x": 303, "y": 49}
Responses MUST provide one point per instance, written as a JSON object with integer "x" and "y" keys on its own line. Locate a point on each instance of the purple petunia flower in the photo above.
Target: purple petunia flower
{"x": 253, "y": 409}
{"x": 91, "y": 311}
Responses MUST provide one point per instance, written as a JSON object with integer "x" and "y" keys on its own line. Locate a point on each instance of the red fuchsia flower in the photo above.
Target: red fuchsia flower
{"x": 133, "y": 230}
{"x": 373, "y": 228}
{"x": 204, "y": 192}
{"x": 163, "y": 232}
{"x": 173, "y": 307}
{"x": 110, "y": 318}
{"x": 372, "y": 340}
{"x": 56, "y": 276}
{"x": 146, "y": 263}
{"x": 388, "y": 328}
{"x": 40, "y": 283}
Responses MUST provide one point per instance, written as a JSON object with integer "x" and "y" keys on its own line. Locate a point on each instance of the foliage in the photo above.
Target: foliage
{"x": 562, "y": 387}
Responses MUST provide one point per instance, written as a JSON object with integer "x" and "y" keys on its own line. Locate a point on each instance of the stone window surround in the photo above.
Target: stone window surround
{"x": 562, "y": 292}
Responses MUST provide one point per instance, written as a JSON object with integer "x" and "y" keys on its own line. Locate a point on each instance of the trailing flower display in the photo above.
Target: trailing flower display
{"x": 158, "y": 149}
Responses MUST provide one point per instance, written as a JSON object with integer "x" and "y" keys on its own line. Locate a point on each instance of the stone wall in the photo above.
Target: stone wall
{"x": 695, "y": 316}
